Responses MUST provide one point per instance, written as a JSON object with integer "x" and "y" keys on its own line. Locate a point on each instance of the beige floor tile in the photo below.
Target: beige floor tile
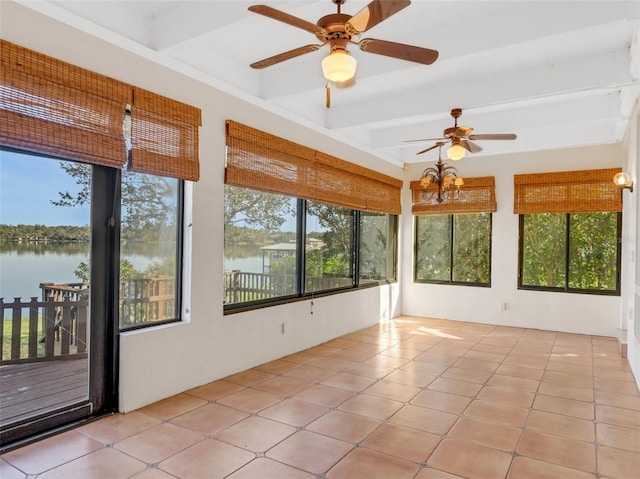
{"x": 430, "y": 473}
{"x": 406, "y": 350}
{"x": 618, "y": 416}
{"x": 516, "y": 371}
{"x": 310, "y": 452}
{"x": 443, "y": 358}
{"x": 527, "y": 468}
{"x": 103, "y": 464}
{"x": 568, "y": 392}
{"x": 51, "y": 452}
{"x": 618, "y": 437}
{"x": 7, "y": 471}
{"x": 347, "y": 427}
{"x": 425, "y": 368}
{"x": 256, "y": 434}
{"x": 473, "y": 376}
{"x": 499, "y": 380}
{"x": 454, "y": 386}
{"x": 558, "y": 450}
{"x": 569, "y": 368}
{"x": 524, "y": 360}
{"x": 324, "y": 395}
{"x": 484, "y": 355}
{"x": 210, "y": 459}
{"x": 411, "y": 377}
{"x": 625, "y": 401}
{"x": 425, "y": 419}
{"x": 279, "y": 366}
{"x": 499, "y": 413}
{"x": 264, "y": 468}
{"x": 209, "y": 419}
{"x": 294, "y": 412}
{"x": 567, "y": 407}
{"x": 496, "y": 436}
{"x": 393, "y": 391}
{"x": 216, "y": 389}
{"x": 617, "y": 386}
{"x": 476, "y": 365}
{"x": 307, "y": 373}
{"x": 350, "y": 382}
{"x": 403, "y": 442}
{"x": 173, "y": 406}
{"x": 118, "y": 426}
{"x": 440, "y": 401}
{"x": 513, "y": 397}
{"x": 371, "y": 406}
{"x": 618, "y": 464}
{"x": 386, "y": 361}
{"x": 250, "y": 400}
{"x": 470, "y": 460}
{"x": 617, "y": 374}
{"x": 369, "y": 370}
{"x": 250, "y": 377}
{"x": 353, "y": 355}
{"x": 284, "y": 385}
{"x": 158, "y": 443}
{"x": 565, "y": 426}
{"x": 365, "y": 463}
{"x": 153, "y": 473}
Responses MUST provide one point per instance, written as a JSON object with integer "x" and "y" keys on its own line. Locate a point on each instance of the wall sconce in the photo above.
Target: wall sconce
{"x": 623, "y": 181}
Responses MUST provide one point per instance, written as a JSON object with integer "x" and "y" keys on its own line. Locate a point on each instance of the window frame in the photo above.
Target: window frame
{"x": 301, "y": 294}
{"x": 451, "y": 281}
{"x": 567, "y": 288}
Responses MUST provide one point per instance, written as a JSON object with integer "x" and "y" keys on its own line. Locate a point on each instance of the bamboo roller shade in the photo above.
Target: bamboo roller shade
{"x": 477, "y": 195}
{"x": 585, "y": 191}
{"x": 52, "y": 107}
{"x": 265, "y": 162}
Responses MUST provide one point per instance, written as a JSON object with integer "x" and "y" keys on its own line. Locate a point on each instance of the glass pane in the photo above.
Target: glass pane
{"x": 259, "y": 245}
{"x": 377, "y": 246}
{"x": 328, "y": 247}
{"x": 44, "y": 284}
{"x": 433, "y": 248}
{"x": 149, "y": 256}
{"x": 471, "y": 248}
{"x": 593, "y": 252}
{"x": 544, "y": 249}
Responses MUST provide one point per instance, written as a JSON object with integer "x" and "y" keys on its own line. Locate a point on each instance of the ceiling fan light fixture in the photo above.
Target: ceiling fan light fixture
{"x": 456, "y": 152}
{"x": 339, "y": 66}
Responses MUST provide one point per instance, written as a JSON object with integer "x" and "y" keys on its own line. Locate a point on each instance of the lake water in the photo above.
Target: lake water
{"x": 24, "y": 267}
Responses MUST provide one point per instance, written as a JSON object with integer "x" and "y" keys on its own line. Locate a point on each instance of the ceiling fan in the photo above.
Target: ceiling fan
{"x": 461, "y": 139}
{"x": 338, "y": 30}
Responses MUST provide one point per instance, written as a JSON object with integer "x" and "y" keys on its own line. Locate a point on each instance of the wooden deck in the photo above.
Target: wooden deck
{"x": 27, "y": 390}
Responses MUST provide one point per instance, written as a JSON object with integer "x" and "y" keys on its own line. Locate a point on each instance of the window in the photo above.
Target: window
{"x": 150, "y": 250}
{"x": 377, "y": 247}
{"x": 574, "y": 252}
{"x": 570, "y": 223}
{"x": 271, "y": 254}
{"x": 453, "y": 249}
{"x": 297, "y": 221}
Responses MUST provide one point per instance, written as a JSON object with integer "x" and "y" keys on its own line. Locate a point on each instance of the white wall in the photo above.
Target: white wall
{"x": 630, "y": 310}
{"x": 161, "y": 361}
{"x": 577, "y": 313}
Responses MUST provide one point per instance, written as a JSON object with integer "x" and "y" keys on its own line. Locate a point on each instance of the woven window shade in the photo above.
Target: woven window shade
{"x": 51, "y": 107}
{"x": 164, "y": 136}
{"x": 477, "y": 195}
{"x": 265, "y": 162}
{"x": 586, "y": 191}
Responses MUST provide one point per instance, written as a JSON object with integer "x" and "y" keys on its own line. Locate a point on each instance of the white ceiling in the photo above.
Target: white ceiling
{"x": 556, "y": 73}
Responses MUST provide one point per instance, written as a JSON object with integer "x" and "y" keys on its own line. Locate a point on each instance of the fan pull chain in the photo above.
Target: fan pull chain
{"x": 328, "y": 95}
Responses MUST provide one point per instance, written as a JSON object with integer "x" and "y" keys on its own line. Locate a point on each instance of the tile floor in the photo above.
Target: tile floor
{"x": 416, "y": 398}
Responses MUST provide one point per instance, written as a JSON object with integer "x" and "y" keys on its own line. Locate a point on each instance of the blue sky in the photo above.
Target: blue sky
{"x": 27, "y": 186}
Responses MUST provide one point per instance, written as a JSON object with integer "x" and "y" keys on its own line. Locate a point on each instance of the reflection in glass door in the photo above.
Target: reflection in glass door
{"x": 45, "y": 252}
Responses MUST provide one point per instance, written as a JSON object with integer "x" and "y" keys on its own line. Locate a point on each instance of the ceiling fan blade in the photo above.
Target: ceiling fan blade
{"x": 288, "y": 19}
{"x": 428, "y": 149}
{"x": 280, "y": 57}
{"x": 374, "y": 13}
{"x": 471, "y": 146}
{"x": 497, "y": 136}
{"x": 399, "y": 50}
{"x": 428, "y": 139}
